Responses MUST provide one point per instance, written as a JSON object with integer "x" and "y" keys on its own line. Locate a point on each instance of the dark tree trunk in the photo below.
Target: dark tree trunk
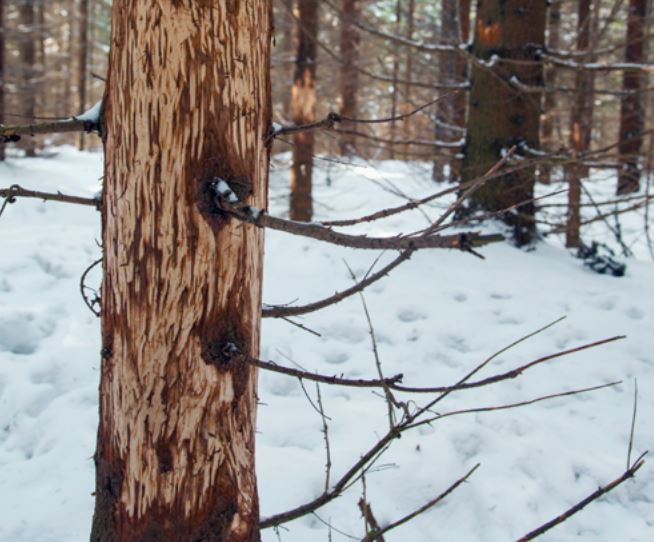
{"x": 632, "y": 108}
{"x": 82, "y": 60}
{"x": 549, "y": 117}
{"x": 349, "y": 73}
{"x": 3, "y": 29}
{"x": 181, "y": 293}
{"x": 408, "y": 76}
{"x": 27, "y": 85}
{"x": 304, "y": 111}
{"x": 396, "y": 90}
{"x": 452, "y": 68}
{"x": 499, "y": 114}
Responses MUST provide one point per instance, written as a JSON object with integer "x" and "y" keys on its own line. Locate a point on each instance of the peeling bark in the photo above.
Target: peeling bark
{"x": 187, "y": 100}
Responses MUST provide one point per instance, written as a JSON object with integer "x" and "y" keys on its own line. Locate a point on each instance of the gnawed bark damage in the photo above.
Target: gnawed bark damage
{"x": 187, "y": 100}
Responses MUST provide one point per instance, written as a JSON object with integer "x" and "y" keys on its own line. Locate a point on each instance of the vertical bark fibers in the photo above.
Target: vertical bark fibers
{"x": 187, "y": 100}
{"x": 499, "y": 115}
{"x": 632, "y": 108}
{"x": 303, "y": 107}
{"x": 349, "y": 72}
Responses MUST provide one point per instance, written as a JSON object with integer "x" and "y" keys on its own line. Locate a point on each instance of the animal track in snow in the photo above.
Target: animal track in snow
{"x": 336, "y": 357}
{"x": 460, "y": 297}
{"x": 410, "y": 315}
{"x": 22, "y": 331}
{"x": 634, "y": 313}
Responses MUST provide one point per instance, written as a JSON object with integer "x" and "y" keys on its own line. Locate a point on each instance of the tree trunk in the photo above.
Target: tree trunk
{"x": 304, "y": 111}
{"x": 452, "y": 68}
{"x": 83, "y": 53}
{"x": 499, "y": 114}
{"x": 181, "y": 294}
{"x": 549, "y": 116}
{"x": 3, "y": 30}
{"x": 27, "y": 86}
{"x": 632, "y": 108}
{"x": 408, "y": 75}
{"x": 349, "y": 73}
{"x": 581, "y": 120}
{"x": 396, "y": 70}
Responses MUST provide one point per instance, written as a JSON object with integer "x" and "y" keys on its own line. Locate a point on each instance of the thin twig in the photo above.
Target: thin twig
{"x": 629, "y": 473}
{"x": 374, "y": 536}
{"x": 17, "y": 191}
{"x": 325, "y": 432}
{"x": 633, "y": 424}
{"x": 90, "y": 303}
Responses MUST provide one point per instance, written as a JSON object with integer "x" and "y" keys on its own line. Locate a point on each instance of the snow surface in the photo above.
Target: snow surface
{"x": 435, "y": 318}
{"x": 92, "y": 114}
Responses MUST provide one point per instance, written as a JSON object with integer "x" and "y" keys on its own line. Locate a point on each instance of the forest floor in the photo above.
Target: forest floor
{"x": 435, "y": 318}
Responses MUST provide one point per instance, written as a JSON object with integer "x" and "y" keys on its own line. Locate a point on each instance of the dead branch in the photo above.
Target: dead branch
{"x": 10, "y": 133}
{"x": 370, "y": 520}
{"x": 376, "y": 534}
{"x": 629, "y": 473}
{"x": 16, "y": 191}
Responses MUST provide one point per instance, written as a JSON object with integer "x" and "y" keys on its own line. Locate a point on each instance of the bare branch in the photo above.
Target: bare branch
{"x": 16, "y": 191}
{"x": 376, "y": 534}
{"x": 629, "y": 473}
{"x": 9, "y": 133}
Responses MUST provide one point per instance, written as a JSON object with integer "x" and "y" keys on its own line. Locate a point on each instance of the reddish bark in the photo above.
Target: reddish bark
{"x": 349, "y": 73}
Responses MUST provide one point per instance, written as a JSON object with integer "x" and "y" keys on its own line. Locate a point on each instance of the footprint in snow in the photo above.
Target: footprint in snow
{"x": 500, "y": 296}
{"x": 336, "y": 357}
{"x": 607, "y": 304}
{"x": 22, "y": 331}
{"x": 634, "y": 313}
{"x": 459, "y": 297}
{"x": 410, "y": 315}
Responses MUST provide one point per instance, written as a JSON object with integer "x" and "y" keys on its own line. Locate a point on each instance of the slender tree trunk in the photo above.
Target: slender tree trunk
{"x": 581, "y": 120}
{"x": 3, "y": 29}
{"x": 452, "y": 68}
{"x": 289, "y": 48}
{"x": 27, "y": 56}
{"x": 83, "y": 53}
{"x": 181, "y": 295}
{"x": 499, "y": 114}
{"x": 461, "y": 97}
{"x": 349, "y": 73}
{"x": 396, "y": 71}
{"x": 632, "y": 108}
{"x": 408, "y": 75}
{"x": 549, "y": 116}
{"x": 40, "y": 40}
{"x": 304, "y": 111}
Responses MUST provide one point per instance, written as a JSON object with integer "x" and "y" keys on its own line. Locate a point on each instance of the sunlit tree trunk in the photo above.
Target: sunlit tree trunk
{"x": 499, "y": 114}
{"x": 632, "y": 110}
{"x": 187, "y": 102}
{"x": 304, "y": 110}
{"x": 349, "y": 73}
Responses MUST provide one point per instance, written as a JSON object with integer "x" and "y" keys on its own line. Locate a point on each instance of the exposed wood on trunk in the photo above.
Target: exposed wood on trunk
{"x": 632, "y": 108}
{"x": 181, "y": 294}
{"x": 349, "y": 73}
{"x": 82, "y": 61}
{"x": 499, "y": 114}
{"x": 304, "y": 110}
{"x": 549, "y": 118}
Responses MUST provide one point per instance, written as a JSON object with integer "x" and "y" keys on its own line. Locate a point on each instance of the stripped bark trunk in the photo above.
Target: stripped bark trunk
{"x": 349, "y": 73}
{"x": 187, "y": 100}
{"x": 499, "y": 114}
{"x": 549, "y": 117}
{"x": 632, "y": 108}
{"x": 83, "y": 54}
{"x": 304, "y": 111}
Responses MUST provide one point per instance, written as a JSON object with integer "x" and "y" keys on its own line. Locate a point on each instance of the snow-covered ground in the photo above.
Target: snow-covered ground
{"x": 435, "y": 318}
